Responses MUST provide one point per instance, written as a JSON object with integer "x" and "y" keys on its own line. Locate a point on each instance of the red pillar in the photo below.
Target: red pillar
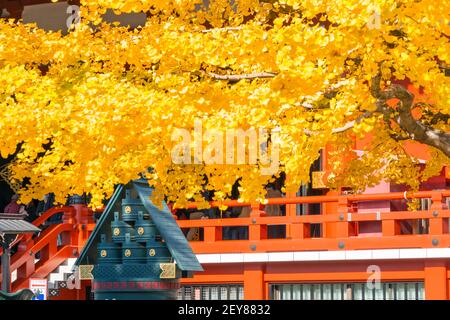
{"x": 436, "y": 282}
{"x": 254, "y": 288}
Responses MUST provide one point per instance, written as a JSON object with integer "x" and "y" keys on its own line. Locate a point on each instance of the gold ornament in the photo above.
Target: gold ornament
{"x": 85, "y": 272}
{"x": 152, "y": 252}
{"x": 168, "y": 270}
{"x": 116, "y": 231}
{"x": 140, "y": 231}
{"x": 127, "y": 209}
{"x": 103, "y": 253}
{"x": 127, "y": 253}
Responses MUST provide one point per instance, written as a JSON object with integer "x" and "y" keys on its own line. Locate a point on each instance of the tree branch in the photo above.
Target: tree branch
{"x": 237, "y": 77}
{"x": 349, "y": 125}
{"x": 415, "y": 129}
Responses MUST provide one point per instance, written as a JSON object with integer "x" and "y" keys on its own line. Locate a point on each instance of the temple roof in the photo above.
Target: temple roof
{"x": 16, "y": 226}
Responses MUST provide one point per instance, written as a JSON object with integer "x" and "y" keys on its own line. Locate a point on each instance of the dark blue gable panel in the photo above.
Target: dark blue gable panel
{"x": 170, "y": 231}
{"x": 89, "y": 253}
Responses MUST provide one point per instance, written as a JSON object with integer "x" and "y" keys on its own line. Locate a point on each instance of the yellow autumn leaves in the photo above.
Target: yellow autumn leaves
{"x": 96, "y": 107}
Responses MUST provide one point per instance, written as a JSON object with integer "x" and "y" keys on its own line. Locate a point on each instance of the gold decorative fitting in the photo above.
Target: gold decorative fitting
{"x": 127, "y": 209}
{"x": 103, "y": 253}
{"x": 140, "y": 231}
{"x": 152, "y": 252}
{"x": 127, "y": 253}
{"x": 116, "y": 231}
{"x": 85, "y": 272}
{"x": 168, "y": 270}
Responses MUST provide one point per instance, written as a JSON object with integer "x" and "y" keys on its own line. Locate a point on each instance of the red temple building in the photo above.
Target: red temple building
{"x": 331, "y": 244}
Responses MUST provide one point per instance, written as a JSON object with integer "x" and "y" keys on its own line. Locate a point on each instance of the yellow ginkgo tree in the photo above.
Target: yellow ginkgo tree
{"x": 86, "y": 110}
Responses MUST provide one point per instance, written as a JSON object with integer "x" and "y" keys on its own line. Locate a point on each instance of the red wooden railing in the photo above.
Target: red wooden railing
{"x": 340, "y": 226}
{"x": 73, "y": 232}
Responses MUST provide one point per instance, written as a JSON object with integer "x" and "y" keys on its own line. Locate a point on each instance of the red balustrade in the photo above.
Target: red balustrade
{"x": 55, "y": 244}
{"x": 340, "y": 227}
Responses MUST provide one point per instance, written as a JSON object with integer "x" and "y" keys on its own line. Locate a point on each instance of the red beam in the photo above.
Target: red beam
{"x": 326, "y": 199}
{"x": 322, "y": 244}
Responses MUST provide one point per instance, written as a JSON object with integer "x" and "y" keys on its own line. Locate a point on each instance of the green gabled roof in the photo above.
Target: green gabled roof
{"x": 162, "y": 218}
{"x": 170, "y": 231}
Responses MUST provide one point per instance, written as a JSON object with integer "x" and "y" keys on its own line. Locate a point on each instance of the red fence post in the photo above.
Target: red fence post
{"x": 212, "y": 234}
{"x": 81, "y": 218}
{"x": 292, "y": 230}
{"x": 345, "y": 228}
{"x": 69, "y": 215}
{"x": 390, "y": 228}
{"x": 256, "y": 231}
{"x": 437, "y": 226}
{"x": 300, "y": 230}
